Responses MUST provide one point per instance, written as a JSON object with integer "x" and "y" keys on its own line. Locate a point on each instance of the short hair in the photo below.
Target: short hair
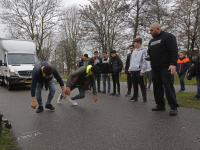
{"x": 86, "y": 55}
{"x": 105, "y": 52}
{"x": 113, "y": 51}
{"x": 132, "y": 46}
{"x": 96, "y": 52}
{"x": 47, "y": 70}
{"x": 95, "y": 69}
{"x": 182, "y": 52}
{"x": 139, "y": 40}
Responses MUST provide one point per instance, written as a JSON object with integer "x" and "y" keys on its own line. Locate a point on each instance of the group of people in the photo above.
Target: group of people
{"x": 158, "y": 63}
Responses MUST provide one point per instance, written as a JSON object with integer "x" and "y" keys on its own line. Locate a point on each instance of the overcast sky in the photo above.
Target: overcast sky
{"x": 65, "y": 2}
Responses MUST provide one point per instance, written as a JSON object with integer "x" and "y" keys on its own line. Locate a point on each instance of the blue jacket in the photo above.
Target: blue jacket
{"x": 37, "y": 76}
{"x": 182, "y": 65}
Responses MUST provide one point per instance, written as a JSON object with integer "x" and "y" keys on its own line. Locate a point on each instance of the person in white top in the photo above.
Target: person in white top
{"x": 137, "y": 68}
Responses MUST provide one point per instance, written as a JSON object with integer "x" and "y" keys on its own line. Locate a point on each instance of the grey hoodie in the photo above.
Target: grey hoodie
{"x": 137, "y": 61}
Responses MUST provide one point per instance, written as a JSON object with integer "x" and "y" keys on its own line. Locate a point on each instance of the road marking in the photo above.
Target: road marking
{"x": 27, "y": 135}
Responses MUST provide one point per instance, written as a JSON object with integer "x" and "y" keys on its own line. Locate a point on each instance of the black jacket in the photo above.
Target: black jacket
{"x": 92, "y": 60}
{"x": 115, "y": 64}
{"x": 196, "y": 63}
{"x": 128, "y": 59}
{"x": 163, "y": 51}
{"x": 105, "y": 66}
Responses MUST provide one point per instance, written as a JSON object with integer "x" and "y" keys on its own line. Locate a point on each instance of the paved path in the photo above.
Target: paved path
{"x": 109, "y": 124}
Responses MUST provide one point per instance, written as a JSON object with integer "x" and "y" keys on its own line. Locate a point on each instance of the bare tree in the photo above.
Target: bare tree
{"x": 186, "y": 24}
{"x": 103, "y": 22}
{"x": 69, "y": 28}
{"x": 146, "y": 12}
{"x": 30, "y": 19}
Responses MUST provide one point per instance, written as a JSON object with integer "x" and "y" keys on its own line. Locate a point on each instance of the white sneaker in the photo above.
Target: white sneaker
{"x": 59, "y": 99}
{"x": 73, "y": 102}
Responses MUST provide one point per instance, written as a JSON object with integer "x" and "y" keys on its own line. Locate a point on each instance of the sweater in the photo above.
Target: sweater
{"x": 105, "y": 66}
{"x": 137, "y": 62}
{"x": 163, "y": 51}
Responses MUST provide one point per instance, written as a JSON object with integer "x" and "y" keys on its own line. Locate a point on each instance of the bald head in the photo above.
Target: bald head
{"x": 156, "y": 25}
{"x": 155, "y": 29}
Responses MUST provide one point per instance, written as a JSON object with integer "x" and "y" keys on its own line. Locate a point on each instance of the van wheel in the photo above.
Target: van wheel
{"x": 10, "y": 88}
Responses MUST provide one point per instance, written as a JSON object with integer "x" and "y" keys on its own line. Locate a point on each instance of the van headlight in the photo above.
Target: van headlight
{"x": 13, "y": 73}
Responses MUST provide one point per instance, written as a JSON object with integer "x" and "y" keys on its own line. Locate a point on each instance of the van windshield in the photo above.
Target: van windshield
{"x": 14, "y": 59}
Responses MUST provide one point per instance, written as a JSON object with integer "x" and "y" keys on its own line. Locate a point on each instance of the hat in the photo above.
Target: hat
{"x": 86, "y": 55}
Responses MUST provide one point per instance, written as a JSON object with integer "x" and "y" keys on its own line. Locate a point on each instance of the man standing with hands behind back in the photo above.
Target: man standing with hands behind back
{"x": 163, "y": 53}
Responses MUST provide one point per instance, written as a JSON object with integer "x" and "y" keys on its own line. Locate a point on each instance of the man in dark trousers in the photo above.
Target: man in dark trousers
{"x": 105, "y": 71}
{"x": 115, "y": 67}
{"x": 183, "y": 64}
{"x": 43, "y": 72}
{"x": 96, "y": 60}
{"x": 129, "y": 80}
{"x": 163, "y": 53}
{"x": 84, "y": 76}
{"x": 137, "y": 69}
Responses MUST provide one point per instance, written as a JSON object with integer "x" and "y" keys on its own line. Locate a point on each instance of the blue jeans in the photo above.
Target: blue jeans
{"x": 106, "y": 77}
{"x": 181, "y": 78}
{"x": 52, "y": 89}
{"x": 198, "y": 84}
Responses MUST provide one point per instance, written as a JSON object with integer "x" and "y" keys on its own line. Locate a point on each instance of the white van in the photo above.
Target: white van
{"x": 17, "y": 59}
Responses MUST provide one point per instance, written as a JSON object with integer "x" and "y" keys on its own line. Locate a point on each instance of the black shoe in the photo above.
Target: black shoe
{"x": 112, "y": 94}
{"x": 196, "y": 97}
{"x": 50, "y": 107}
{"x": 158, "y": 108}
{"x": 133, "y": 99}
{"x": 40, "y": 109}
{"x": 104, "y": 92}
{"x": 128, "y": 93}
{"x": 173, "y": 111}
{"x": 99, "y": 91}
{"x": 118, "y": 95}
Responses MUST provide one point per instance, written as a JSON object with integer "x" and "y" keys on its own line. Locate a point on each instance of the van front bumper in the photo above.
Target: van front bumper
{"x": 19, "y": 81}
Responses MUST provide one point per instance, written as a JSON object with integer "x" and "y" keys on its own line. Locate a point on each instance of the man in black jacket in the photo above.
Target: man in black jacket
{"x": 115, "y": 67}
{"x": 96, "y": 60}
{"x": 163, "y": 53}
{"x": 129, "y": 78}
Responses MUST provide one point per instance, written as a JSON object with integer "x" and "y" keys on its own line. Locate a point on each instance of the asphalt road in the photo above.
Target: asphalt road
{"x": 109, "y": 124}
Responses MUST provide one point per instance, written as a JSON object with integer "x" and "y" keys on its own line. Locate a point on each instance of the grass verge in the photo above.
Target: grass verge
{"x": 185, "y": 100}
{"x": 6, "y": 141}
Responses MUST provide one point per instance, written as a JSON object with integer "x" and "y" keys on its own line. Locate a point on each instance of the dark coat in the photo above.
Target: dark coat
{"x": 128, "y": 59}
{"x": 115, "y": 64}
